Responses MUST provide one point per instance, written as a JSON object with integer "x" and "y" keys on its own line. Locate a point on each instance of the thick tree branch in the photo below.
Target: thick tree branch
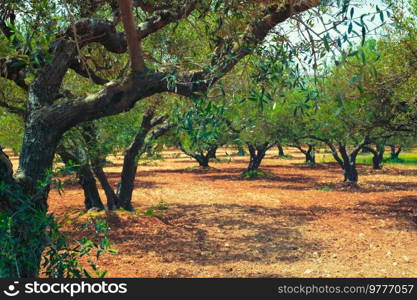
{"x": 230, "y": 53}
{"x": 331, "y": 147}
{"x": 13, "y": 109}
{"x": 133, "y": 43}
{"x": 44, "y": 89}
{"x": 164, "y": 17}
{"x": 161, "y": 130}
{"x": 359, "y": 147}
{"x": 83, "y": 70}
{"x": 14, "y": 69}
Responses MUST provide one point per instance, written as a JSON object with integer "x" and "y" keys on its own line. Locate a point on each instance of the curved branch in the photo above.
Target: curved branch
{"x": 14, "y": 69}
{"x": 164, "y": 17}
{"x": 13, "y": 109}
{"x": 104, "y": 32}
{"x": 196, "y": 82}
{"x": 133, "y": 44}
{"x": 85, "y": 71}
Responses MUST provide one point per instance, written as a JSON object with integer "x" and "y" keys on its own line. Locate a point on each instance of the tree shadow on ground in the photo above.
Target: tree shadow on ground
{"x": 403, "y": 211}
{"x": 391, "y": 171}
{"x": 217, "y": 234}
{"x": 384, "y": 186}
{"x": 285, "y": 178}
{"x": 212, "y": 235}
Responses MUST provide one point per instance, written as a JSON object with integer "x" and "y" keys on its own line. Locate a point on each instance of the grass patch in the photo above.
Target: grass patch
{"x": 365, "y": 158}
{"x": 192, "y": 168}
{"x": 161, "y": 206}
{"x": 404, "y": 159}
{"x": 148, "y": 163}
{"x": 398, "y": 161}
{"x": 151, "y": 213}
{"x": 325, "y": 188}
{"x": 198, "y": 169}
{"x": 220, "y": 160}
{"x": 285, "y": 156}
{"x": 256, "y": 174}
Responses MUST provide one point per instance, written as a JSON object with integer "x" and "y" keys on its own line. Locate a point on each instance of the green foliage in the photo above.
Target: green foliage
{"x": 405, "y": 158}
{"x": 200, "y": 125}
{"x": 325, "y": 188}
{"x": 256, "y": 174}
{"x": 222, "y": 160}
{"x": 150, "y": 212}
{"x": 62, "y": 256}
{"x": 285, "y": 156}
{"x": 161, "y": 206}
{"x": 29, "y": 234}
{"x": 11, "y": 131}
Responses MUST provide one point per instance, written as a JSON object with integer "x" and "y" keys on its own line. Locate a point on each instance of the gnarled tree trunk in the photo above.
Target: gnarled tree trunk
{"x": 203, "y": 157}
{"x": 281, "y": 152}
{"x": 310, "y": 153}
{"x": 257, "y": 154}
{"x": 112, "y": 199}
{"x": 395, "y": 152}
{"x": 377, "y": 156}
{"x": 347, "y": 161}
{"x": 85, "y": 177}
{"x": 26, "y": 205}
{"x": 132, "y": 154}
{"x": 350, "y": 172}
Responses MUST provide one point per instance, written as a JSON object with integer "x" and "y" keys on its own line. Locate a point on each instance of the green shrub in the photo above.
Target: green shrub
{"x": 161, "y": 206}
{"x": 26, "y": 231}
{"x": 256, "y": 174}
{"x": 285, "y": 156}
{"x": 325, "y": 188}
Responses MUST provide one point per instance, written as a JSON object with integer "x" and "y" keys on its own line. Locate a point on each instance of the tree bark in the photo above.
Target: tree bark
{"x": 202, "y": 160}
{"x": 212, "y": 152}
{"x": 85, "y": 178}
{"x": 133, "y": 43}
{"x": 257, "y": 153}
{"x": 36, "y": 157}
{"x": 349, "y": 163}
{"x": 28, "y": 214}
{"x": 98, "y": 161}
{"x": 377, "y": 162}
{"x": 112, "y": 199}
{"x": 395, "y": 152}
{"x": 280, "y": 150}
{"x": 6, "y": 168}
{"x": 377, "y": 156}
{"x": 241, "y": 151}
{"x": 350, "y": 173}
{"x": 133, "y": 153}
{"x": 311, "y": 155}
{"x": 130, "y": 165}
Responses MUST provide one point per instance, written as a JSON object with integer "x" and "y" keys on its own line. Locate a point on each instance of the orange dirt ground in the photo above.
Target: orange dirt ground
{"x": 300, "y": 223}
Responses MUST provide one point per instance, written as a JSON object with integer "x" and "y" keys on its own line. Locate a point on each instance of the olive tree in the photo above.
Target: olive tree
{"x": 47, "y": 40}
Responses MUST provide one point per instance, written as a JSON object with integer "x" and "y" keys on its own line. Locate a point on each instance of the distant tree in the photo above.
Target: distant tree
{"x": 201, "y": 130}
